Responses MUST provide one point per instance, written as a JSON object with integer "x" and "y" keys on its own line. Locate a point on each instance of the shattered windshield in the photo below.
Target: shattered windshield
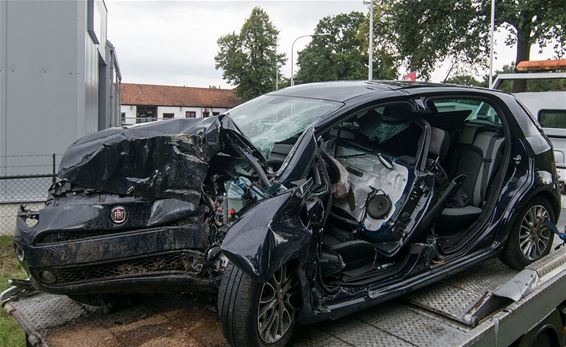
{"x": 270, "y": 119}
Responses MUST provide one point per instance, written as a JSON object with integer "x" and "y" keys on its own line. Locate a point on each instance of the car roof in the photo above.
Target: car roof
{"x": 344, "y": 90}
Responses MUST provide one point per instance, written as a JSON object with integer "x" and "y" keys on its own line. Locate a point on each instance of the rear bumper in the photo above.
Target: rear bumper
{"x": 145, "y": 260}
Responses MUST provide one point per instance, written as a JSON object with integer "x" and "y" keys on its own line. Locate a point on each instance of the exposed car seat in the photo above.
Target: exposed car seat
{"x": 439, "y": 146}
{"x": 490, "y": 144}
{"x": 475, "y": 155}
{"x": 439, "y": 142}
{"x": 452, "y": 121}
{"x": 438, "y": 149}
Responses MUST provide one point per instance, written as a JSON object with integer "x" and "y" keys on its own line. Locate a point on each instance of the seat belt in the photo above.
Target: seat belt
{"x": 486, "y": 164}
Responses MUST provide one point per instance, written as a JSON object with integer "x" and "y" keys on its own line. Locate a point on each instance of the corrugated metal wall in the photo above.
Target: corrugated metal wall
{"x": 3, "y": 87}
{"x": 41, "y": 76}
{"x": 49, "y": 75}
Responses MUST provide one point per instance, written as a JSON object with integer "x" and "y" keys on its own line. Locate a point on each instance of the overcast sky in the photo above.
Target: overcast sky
{"x": 174, "y": 42}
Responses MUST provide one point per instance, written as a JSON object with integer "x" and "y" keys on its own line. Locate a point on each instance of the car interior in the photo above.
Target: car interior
{"x": 461, "y": 143}
{"x": 373, "y": 158}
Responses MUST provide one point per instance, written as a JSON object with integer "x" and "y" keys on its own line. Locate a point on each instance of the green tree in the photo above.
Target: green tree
{"x": 506, "y": 86}
{"x": 338, "y": 55}
{"x": 427, "y": 32}
{"x": 466, "y": 80}
{"x": 431, "y": 31}
{"x": 249, "y": 59}
{"x": 531, "y": 21}
{"x": 385, "y": 56}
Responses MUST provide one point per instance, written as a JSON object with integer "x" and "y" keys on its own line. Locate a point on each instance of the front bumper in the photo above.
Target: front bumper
{"x": 146, "y": 260}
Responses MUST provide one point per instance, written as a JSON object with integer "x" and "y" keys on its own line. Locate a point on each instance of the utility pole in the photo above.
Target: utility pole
{"x": 370, "y": 62}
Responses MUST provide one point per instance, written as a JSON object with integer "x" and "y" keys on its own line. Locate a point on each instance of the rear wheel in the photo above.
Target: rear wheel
{"x": 255, "y": 314}
{"x": 529, "y": 239}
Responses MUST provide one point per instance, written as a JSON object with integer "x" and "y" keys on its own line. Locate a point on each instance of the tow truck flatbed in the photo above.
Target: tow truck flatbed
{"x": 454, "y": 312}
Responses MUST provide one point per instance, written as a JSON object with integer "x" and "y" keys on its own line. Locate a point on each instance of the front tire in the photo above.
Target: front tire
{"x": 256, "y": 314}
{"x": 529, "y": 238}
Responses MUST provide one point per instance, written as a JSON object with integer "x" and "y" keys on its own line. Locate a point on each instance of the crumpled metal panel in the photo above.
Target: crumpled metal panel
{"x": 155, "y": 160}
{"x": 267, "y": 236}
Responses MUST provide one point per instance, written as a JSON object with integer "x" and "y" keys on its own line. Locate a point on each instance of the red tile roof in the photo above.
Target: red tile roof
{"x": 156, "y": 95}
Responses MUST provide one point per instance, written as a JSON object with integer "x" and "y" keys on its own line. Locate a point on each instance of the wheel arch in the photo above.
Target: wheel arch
{"x": 548, "y": 196}
{"x": 509, "y": 242}
{"x": 545, "y": 194}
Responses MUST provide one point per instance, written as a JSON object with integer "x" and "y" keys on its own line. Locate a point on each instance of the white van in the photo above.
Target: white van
{"x": 548, "y": 107}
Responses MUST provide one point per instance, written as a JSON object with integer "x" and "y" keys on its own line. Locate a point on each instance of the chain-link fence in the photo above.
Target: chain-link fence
{"x": 24, "y": 180}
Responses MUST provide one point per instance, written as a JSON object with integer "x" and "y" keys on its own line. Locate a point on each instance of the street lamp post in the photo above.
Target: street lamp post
{"x": 370, "y": 55}
{"x": 293, "y": 50}
{"x": 491, "y": 42}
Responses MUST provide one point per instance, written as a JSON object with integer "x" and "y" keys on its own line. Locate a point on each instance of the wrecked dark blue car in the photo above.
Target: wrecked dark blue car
{"x": 304, "y": 204}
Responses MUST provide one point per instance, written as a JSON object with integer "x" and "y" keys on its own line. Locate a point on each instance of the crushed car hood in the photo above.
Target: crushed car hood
{"x": 158, "y": 160}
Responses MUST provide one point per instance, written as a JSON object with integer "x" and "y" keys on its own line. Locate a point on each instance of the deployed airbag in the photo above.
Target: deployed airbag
{"x": 370, "y": 178}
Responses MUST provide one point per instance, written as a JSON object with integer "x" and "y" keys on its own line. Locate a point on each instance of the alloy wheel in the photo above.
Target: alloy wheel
{"x": 534, "y": 236}
{"x": 276, "y": 312}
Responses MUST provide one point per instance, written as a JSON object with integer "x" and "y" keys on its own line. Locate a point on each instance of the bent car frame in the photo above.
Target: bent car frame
{"x": 304, "y": 204}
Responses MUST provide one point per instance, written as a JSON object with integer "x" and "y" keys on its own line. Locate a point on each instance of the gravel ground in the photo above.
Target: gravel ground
{"x": 171, "y": 322}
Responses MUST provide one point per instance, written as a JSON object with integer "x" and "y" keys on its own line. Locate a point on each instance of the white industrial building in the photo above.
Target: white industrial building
{"x": 59, "y": 78}
{"x": 59, "y": 81}
{"x": 148, "y": 102}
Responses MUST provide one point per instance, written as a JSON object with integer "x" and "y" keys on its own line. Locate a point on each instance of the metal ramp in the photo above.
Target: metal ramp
{"x": 433, "y": 316}
{"x": 438, "y": 315}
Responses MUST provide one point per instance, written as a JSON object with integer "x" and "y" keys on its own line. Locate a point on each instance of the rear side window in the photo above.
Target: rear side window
{"x": 480, "y": 111}
{"x": 552, "y": 118}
